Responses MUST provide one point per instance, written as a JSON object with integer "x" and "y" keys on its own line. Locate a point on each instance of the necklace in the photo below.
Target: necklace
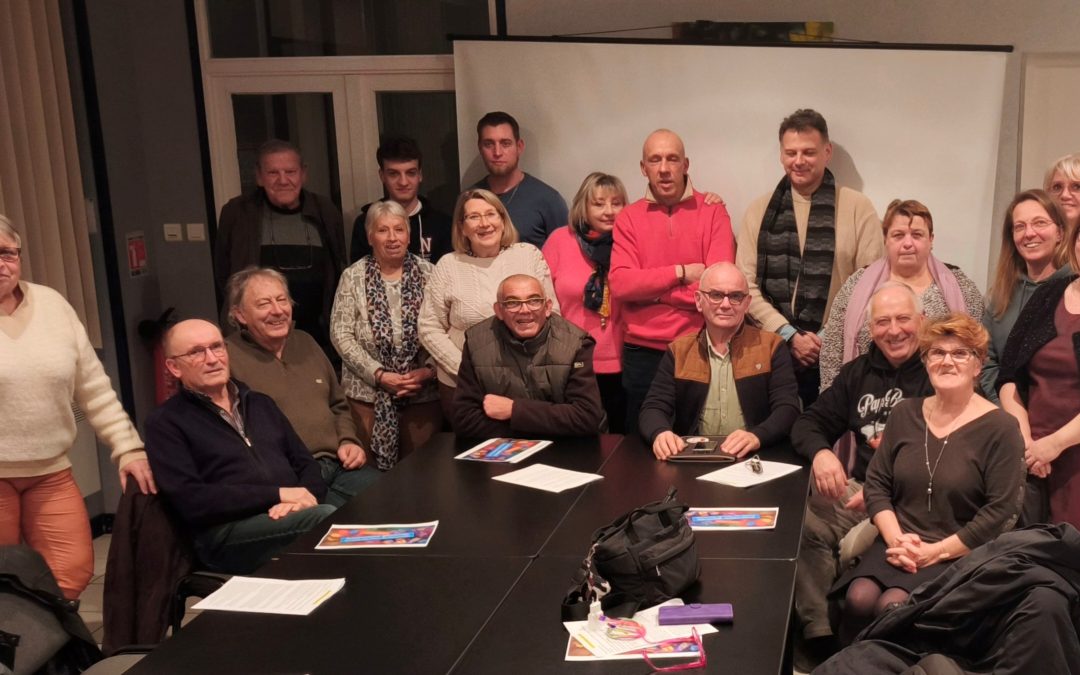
{"x": 513, "y": 193}
{"x": 926, "y": 449}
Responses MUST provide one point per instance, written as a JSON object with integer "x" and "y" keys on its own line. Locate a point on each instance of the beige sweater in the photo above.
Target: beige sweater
{"x": 46, "y": 363}
{"x": 859, "y": 242}
{"x": 461, "y": 292}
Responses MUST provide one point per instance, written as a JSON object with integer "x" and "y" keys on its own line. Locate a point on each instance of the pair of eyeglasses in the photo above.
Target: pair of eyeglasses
{"x": 1071, "y": 186}
{"x": 717, "y": 297}
{"x": 626, "y": 629}
{"x": 477, "y": 218}
{"x": 1038, "y": 224}
{"x": 198, "y": 355}
{"x": 531, "y": 304}
{"x": 937, "y": 355}
{"x": 10, "y": 255}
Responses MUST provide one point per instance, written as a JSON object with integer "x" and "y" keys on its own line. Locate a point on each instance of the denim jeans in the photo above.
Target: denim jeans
{"x": 343, "y": 483}
{"x": 242, "y": 546}
{"x": 638, "y": 369}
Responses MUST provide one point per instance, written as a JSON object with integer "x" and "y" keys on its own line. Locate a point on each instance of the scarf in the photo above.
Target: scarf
{"x": 781, "y": 267}
{"x": 596, "y": 247}
{"x": 876, "y": 274}
{"x": 384, "y": 433}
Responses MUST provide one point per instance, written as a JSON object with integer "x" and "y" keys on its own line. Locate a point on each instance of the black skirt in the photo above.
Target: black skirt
{"x": 873, "y": 565}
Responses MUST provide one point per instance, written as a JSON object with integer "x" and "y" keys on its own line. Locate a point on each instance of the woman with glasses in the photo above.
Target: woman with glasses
{"x": 908, "y": 228}
{"x": 1033, "y": 251}
{"x": 1062, "y": 181}
{"x": 946, "y": 478}
{"x": 388, "y": 377}
{"x": 464, "y": 283}
{"x": 47, "y": 364}
{"x": 1039, "y": 384}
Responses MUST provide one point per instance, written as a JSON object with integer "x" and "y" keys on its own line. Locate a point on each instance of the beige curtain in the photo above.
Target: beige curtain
{"x": 40, "y": 180}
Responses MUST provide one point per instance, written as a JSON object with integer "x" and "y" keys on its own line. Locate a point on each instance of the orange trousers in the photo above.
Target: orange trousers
{"x": 49, "y": 514}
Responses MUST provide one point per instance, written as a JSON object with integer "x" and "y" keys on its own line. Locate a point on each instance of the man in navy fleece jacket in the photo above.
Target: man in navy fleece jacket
{"x": 230, "y": 464}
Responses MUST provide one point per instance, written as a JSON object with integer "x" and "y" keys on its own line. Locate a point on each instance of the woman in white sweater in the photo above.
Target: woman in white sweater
{"x": 461, "y": 291}
{"x": 46, "y": 364}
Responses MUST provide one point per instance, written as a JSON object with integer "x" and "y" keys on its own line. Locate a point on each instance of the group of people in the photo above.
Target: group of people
{"x": 516, "y": 316}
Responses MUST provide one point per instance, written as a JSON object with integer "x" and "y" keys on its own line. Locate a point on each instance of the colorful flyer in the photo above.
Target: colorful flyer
{"x": 732, "y": 519}
{"x": 507, "y": 450}
{"x": 409, "y": 535}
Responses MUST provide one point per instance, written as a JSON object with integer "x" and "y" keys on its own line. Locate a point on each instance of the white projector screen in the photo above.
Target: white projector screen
{"x": 919, "y": 124}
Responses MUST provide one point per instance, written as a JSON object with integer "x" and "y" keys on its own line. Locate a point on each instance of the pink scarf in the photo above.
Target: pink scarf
{"x": 875, "y": 275}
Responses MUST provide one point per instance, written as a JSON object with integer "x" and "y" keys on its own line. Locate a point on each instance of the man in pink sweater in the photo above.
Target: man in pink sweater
{"x": 662, "y": 245}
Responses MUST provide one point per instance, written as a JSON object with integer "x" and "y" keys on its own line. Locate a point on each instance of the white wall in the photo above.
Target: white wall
{"x": 1031, "y": 27}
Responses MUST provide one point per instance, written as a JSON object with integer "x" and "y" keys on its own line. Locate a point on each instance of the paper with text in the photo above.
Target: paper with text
{"x": 271, "y": 596}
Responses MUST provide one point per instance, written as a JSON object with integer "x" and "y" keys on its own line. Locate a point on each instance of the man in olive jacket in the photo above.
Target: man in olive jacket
{"x": 526, "y": 371}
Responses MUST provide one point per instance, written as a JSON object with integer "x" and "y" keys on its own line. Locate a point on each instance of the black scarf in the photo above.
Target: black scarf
{"x": 780, "y": 265}
{"x": 596, "y": 248}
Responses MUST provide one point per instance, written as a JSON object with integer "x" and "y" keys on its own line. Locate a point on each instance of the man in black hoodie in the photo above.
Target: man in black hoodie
{"x": 858, "y": 402}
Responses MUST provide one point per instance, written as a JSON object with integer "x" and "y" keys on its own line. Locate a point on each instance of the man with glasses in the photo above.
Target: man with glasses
{"x": 535, "y": 208}
{"x": 228, "y": 460}
{"x": 729, "y": 379}
{"x": 526, "y": 371}
{"x": 858, "y": 401}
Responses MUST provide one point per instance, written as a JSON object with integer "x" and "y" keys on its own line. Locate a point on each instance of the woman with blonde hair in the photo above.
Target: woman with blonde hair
{"x": 462, "y": 288}
{"x": 1033, "y": 251}
{"x": 1062, "y": 181}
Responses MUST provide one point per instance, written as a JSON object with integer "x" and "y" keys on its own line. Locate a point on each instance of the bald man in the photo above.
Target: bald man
{"x": 729, "y": 379}
{"x": 526, "y": 371}
{"x": 662, "y": 245}
{"x": 227, "y": 459}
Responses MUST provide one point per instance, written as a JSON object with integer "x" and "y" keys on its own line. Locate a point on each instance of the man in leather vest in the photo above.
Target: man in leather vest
{"x": 526, "y": 371}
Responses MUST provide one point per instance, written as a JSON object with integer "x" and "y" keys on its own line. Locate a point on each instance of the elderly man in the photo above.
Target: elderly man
{"x": 284, "y": 226}
{"x": 535, "y": 207}
{"x": 526, "y": 371}
{"x": 800, "y": 243}
{"x": 858, "y": 401}
{"x": 729, "y": 379}
{"x": 287, "y": 365}
{"x": 401, "y": 171}
{"x": 228, "y": 460}
{"x": 663, "y": 243}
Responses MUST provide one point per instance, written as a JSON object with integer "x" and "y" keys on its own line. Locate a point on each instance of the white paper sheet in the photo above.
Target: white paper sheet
{"x": 740, "y": 475}
{"x": 271, "y": 596}
{"x": 550, "y": 478}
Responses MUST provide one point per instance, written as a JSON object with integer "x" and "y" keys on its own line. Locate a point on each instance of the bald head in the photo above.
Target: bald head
{"x": 726, "y": 275}
{"x": 516, "y": 284}
{"x": 665, "y": 165}
{"x": 196, "y": 355}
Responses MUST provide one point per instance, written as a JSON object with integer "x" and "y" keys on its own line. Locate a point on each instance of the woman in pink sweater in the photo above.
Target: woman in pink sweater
{"x": 579, "y": 256}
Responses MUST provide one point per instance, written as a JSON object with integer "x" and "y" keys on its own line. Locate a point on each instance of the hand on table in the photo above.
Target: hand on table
{"x": 666, "y": 444}
{"x": 740, "y": 442}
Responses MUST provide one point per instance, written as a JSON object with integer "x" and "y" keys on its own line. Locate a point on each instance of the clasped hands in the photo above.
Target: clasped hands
{"x": 910, "y": 553}
{"x": 738, "y": 443}
{"x": 1039, "y": 454}
{"x": 408, "y": 384}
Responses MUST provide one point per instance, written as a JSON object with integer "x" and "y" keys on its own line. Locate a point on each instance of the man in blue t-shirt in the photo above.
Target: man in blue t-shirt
{"x": 535, "y": 207}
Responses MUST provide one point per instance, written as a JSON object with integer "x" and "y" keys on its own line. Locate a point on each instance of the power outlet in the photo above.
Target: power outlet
{"x": 196, "y": 232}
{"x": 174, "y": 232}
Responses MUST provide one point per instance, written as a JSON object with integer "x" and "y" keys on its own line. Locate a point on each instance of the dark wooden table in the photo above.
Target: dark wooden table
{"x": 484, "y": 596}
{"x": 636, "y": 478}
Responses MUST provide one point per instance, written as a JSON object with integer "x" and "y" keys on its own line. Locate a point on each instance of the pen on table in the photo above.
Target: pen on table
{"x": 322, "y": 597}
